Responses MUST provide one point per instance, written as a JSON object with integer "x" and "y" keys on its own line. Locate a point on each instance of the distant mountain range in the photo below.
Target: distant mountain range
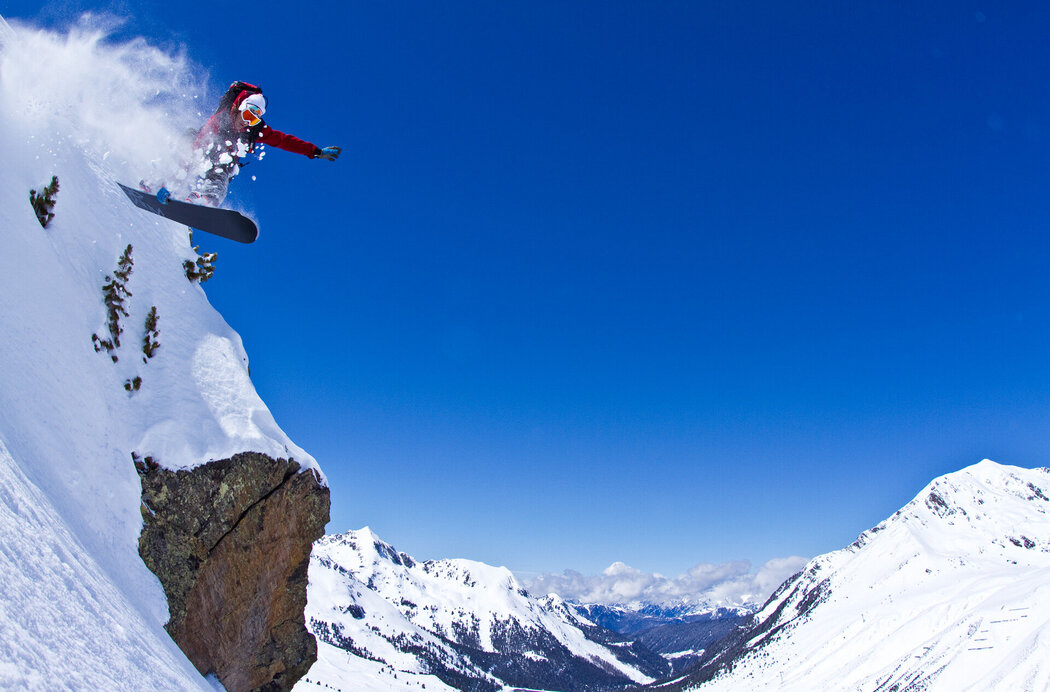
{"x": 680, "y": 633}
{"x": 950, "y": 593}
{"x": 453, "y": 624}
{"x": 639, "y": 617}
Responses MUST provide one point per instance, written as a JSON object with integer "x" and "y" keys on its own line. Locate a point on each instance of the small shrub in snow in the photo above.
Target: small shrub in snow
{"x": 203, "y": 269}
{"x": 44, "y": 204}
{"x": 115, "y": 294}
{"x": 150, "y": 342}
{"x": 133, "y": 385}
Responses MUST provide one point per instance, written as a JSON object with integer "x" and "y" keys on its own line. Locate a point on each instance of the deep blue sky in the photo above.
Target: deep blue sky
{"x": 660, "y": 282}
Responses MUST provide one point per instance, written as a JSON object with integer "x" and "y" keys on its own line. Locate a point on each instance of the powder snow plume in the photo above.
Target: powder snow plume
{"x": 126, "y": 104}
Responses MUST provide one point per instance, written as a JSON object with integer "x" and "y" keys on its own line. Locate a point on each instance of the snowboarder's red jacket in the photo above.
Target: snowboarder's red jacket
{"x": 221, "y": 130}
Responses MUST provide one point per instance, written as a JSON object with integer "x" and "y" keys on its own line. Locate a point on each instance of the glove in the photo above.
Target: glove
{"x": 163, "y": 194}
{"x": 328, "y": 153}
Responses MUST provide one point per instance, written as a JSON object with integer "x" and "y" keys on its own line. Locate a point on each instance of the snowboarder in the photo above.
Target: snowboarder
{"x": 230, "y": 134}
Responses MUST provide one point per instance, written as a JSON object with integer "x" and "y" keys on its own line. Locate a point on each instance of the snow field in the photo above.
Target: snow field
{"x": 64, "y": 624}
{"x": 338, "y": 670}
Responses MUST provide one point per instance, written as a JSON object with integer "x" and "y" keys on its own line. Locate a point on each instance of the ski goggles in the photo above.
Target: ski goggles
{"x": 252, "y": 115}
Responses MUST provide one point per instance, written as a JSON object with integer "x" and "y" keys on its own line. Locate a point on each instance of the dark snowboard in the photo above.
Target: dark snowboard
{"x": 221, "y": 222}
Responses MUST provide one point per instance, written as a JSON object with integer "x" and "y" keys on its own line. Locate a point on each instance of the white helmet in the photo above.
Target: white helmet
{"x": 257, "y": 100}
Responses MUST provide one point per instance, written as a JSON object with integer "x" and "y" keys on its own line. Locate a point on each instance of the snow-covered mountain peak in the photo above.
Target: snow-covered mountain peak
{"x": 987, "y": 481}
{"x": 459, "y": 619}
{"x": 986, "y": 510}
{"x": 952, "y": 592}
{"x": 363, "y": 543}
{"x": 454, "y": 582}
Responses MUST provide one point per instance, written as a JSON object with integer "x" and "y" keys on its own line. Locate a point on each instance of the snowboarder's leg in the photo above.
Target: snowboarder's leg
{"x": 210, "y": 175}
{"x": 211, "y": 187}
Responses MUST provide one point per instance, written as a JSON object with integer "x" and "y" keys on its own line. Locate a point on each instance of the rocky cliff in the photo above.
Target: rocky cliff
{"x": 230, "y": 542}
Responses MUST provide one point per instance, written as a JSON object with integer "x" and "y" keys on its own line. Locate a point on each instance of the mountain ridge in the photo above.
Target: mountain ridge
{"x": 951, "y": 592}
{"x": 469, "y": 624}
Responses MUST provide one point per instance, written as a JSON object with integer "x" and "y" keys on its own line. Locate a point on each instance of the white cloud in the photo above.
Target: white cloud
{"x": 726, "y": 584}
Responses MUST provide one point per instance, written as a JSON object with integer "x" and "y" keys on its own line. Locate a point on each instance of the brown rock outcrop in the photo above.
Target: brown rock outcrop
{"x": 230, "y": 542}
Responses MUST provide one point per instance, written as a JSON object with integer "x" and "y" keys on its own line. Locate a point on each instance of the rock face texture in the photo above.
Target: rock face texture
{"x": 230, "y": 542}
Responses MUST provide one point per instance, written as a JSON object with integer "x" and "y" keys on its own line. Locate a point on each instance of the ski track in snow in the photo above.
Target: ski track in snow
{"x": 64, "y": 624}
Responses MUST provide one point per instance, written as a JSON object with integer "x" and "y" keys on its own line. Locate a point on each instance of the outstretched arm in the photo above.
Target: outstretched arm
{"x": 281, "y": 140}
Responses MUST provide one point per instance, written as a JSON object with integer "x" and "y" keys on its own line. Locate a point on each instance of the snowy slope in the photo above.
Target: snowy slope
{"x": 951, "y": 593}
{"x": 64, "y": 622}
{"x": 469, "y": 623}
{"x": 72, "y": 580}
